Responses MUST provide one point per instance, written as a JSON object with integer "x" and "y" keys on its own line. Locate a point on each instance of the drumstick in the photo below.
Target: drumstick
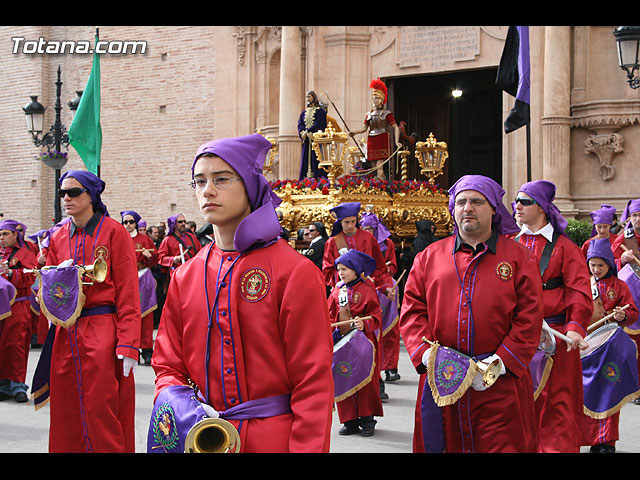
{"x": 347, "y": 322}
{"x": 145, "y": 249}
{"x": 635, "y": 259}
{"x": 181, "y": 253}
{"x": 393, "y": 289}
{"x": 604, "y": 319}
{"x": 557, "y": 333}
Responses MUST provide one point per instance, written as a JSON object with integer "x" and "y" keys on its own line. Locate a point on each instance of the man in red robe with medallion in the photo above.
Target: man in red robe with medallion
{"x": 476, "y": 297}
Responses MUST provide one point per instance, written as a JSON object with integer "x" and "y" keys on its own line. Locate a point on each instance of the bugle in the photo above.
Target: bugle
{"x": 212, "y": 435}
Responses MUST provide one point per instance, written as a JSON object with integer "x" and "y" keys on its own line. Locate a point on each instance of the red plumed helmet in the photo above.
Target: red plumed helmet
{"x": 379, "y": 85}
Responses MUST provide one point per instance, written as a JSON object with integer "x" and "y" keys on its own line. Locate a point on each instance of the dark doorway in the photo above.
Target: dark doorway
{"x": 471, "y": 124}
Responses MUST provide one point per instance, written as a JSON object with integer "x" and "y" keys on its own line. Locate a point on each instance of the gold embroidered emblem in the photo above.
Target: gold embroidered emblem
{"x": 101, "y": 251}
{"x": 504, "y": 270}
{"x": 254, "y": 284}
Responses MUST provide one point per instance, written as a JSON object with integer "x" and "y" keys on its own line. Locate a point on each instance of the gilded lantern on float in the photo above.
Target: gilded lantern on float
{"x": 331, "y": 149}
{"x": 432, "y": 156}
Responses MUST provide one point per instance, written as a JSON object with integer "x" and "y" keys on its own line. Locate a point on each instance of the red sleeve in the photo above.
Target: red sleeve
{"x": 390, "y": 257}
{"x": 165, "y": 253}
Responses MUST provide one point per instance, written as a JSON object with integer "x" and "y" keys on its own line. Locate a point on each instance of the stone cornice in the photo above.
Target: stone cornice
{"x": 605, "y": 114}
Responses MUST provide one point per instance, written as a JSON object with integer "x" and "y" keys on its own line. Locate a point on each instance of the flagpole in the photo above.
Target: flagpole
{"x": 528, "y": 153}
{"x": 97, "y": 38}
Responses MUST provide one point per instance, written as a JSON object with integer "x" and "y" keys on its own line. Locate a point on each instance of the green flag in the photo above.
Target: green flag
{"x": 85, "y": 133}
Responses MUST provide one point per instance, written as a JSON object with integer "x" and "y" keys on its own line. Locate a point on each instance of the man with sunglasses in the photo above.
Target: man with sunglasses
{"x": 317, "y": 237}
{"x": 179, "y": 245}
{"x": 477, "y": 292}
{"x": 90, "y": 379}
{"x": 15, "y": 329}
{"x": 568, "y": 307}
{"x": 246, "y": 321}
{"x": 146, "y": 259}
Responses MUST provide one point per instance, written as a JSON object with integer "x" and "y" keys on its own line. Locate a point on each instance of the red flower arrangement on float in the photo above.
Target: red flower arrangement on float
{"x": 356, "y": 182}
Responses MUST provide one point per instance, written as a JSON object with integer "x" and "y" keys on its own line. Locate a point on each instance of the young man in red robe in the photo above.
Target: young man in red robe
{"x": 567, "y": 308}
{"x": 92, "y": 388}
{"x": 476, "y": 292}
{"x": 15, "y": 330}
{"x": 246, "y": 320}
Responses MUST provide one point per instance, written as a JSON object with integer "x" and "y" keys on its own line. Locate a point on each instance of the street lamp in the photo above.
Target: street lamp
{"x": 56, "y": 137}
{"x": 628, "y": 40}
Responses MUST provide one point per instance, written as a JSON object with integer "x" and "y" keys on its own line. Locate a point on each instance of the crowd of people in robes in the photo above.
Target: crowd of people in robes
{"x": 497, "y": 318}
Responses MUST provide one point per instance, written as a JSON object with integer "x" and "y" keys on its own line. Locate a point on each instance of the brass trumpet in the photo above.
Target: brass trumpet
{"x": 212, "y": 435}
{"x": 97, "y": 271}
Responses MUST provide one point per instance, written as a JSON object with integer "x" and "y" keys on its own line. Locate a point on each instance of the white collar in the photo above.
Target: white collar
{"x": 546, "y": 231}
{"x": 315, "y": 239}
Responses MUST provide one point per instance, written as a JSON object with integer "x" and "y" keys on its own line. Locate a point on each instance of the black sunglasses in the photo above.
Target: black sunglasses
{"x": 72, "y": 192}
{"x": 124, "y": 222}
{"x": 525, "y": 202}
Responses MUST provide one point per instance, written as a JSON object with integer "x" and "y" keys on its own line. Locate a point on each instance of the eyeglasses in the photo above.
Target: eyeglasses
{"x": 525, "y": 202}
{"x": 181, "y": 221}
{"x": 313, "y": 230}
{"x": 306, "y": 233}
{"x": 125, "y": 222}
{"x": 200, "y": 184}
{"x": 72, "y": 192}
{"x": 476, "y": 202}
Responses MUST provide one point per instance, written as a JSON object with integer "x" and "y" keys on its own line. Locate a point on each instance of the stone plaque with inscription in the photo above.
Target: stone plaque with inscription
{"x": 437, "y": 48}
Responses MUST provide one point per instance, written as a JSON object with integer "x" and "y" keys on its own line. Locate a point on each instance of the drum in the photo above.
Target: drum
{"x": 609, "y": 371}
{"x": 7, "y": 297}
{"x": 353, "y": 364}
{"x": 542, "y": 361}
{"x": 629, "y": 276}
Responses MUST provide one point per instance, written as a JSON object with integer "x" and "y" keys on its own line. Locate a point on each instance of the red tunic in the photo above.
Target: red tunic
{"x": 503, "y": 284}
{"x": 92, "y": 402}
{"x": 362, "y": 241}
{"x": 613, "y": 293}
{"x": 170, "y": 248}
{"x": 270, "y": 336}
{"x": 559, "y": 406}
{"x": 363, "y": 301}
{"x": 15, "y": 330}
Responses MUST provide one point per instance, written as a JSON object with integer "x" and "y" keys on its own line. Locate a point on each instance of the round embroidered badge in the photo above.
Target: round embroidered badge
{"x": 356, "y": 298}
{"x": 101, "y": 251}
{"x": 612, "y": 294}
{"x": 504, "y": 270}
{"x": 611, "y": 371}
{"x": 254, "y": 284}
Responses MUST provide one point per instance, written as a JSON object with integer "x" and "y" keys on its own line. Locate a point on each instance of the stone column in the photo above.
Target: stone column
{"x": 556, "y": 117}
{"x": 291, "y": 103}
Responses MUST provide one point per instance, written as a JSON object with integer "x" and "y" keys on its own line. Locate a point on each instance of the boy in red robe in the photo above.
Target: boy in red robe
{"x": 355, "y": 298}
{"x": 610, "y": 295}
{"x": 246, "y": 320}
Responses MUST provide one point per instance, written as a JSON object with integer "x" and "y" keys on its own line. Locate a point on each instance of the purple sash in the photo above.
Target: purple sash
{"x": 179, "y": 407}
{"x": 540, "y": 368}
{"x": 628, "y": 276}
{"x": 353, "y": 364}
{"x": 7, "y": 297}
{"x": 609, "y": 371}
{"x": 60, "y": 294}
{"x": 147, "y": 284}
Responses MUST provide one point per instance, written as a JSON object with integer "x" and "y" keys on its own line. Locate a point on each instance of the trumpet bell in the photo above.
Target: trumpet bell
{"x": 212, "y": 435}
{"x": 98, "y": 271}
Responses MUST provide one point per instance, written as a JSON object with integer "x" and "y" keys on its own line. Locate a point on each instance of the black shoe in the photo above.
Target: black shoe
{"x": 383, "y": 395}
{"x": 392, "y": 375}
{"x": 368, "y": 432}
{"x": 21, "y": 397}
{"x": 349, "y": 429}
{"x": 637, "y": 401}
{"x": 602, "y": 448}
{"x": 146, "y": 355}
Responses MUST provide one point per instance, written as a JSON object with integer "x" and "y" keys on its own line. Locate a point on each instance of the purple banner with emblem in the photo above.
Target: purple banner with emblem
{"x": 630, "y": 277}
{"x": 449, "y": 374}
{"x": 353, "y": 364}
{"x": 60, "y": 294}
{"x": 148, "y": 298}
{"x": 175, "y": 411}
{"x": 7, "y": 297}
{"x": 609, "y": 371}
{"x": 390, "y": 312}
{"x": 540, "y": 368}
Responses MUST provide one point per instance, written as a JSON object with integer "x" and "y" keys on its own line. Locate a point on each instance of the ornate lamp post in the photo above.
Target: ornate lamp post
{"x": 432, "y": 156}
{"x": 53, "y": 140}
{"x": 628, "y": 40}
